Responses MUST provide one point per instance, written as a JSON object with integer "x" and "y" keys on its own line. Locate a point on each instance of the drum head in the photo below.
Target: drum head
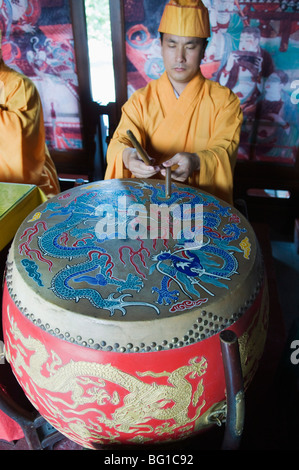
{"x": 116, "y": 263}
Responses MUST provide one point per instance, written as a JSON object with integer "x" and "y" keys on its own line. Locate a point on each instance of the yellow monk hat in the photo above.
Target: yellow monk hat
{"x": 189, "y": 18}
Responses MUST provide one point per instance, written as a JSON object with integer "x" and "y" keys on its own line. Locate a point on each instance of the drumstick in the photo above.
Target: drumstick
{"x": 168, "y": 182}
{"x": 138, "y": 147}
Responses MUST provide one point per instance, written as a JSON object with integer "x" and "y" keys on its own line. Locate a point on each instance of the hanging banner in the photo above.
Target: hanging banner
{"x": 37, "y": 40}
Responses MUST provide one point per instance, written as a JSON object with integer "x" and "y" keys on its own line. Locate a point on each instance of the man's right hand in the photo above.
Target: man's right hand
{"x": 134, "y": 163}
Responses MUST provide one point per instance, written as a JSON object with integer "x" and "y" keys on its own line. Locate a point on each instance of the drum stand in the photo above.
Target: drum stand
{"x": 37, "y": 432}
{"x": 32, "y": 423}
{"x": 235, "y": 402}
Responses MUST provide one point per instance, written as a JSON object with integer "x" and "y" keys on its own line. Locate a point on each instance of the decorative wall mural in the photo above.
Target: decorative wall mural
{"x": 37, "y": 40}
{"x": 253, "y": 49}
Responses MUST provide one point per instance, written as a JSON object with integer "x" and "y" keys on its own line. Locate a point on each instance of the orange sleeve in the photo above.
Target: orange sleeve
{"x": 23, "y": 154}
{"x": 131, "y": 119}
{"x": 217, "y": 162}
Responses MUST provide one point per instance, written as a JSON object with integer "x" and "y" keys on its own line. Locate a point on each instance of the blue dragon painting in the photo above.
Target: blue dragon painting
{"x": 183, "y": 270}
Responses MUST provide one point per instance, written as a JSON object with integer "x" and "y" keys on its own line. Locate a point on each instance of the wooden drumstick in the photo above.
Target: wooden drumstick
{"x": 138, "y": 147}
{"x": 168, "y": 182}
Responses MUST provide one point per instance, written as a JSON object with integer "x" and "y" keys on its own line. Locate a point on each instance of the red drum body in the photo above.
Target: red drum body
{"x": 112, "y": 329}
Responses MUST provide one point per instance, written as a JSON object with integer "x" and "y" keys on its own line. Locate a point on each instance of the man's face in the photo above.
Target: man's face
{"x": 182, "y": 57}
{"x": 248, "y": 42}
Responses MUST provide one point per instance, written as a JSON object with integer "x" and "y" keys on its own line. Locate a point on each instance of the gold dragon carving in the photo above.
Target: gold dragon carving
{"x": 143, "y": 403}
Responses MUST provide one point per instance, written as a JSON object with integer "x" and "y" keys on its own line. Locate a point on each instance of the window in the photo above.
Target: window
{"x": 100, "y": 50}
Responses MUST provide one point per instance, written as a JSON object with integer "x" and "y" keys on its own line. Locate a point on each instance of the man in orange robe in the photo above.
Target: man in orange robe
{"x": 182, "y": 120}
{"x": 24, "y": 156}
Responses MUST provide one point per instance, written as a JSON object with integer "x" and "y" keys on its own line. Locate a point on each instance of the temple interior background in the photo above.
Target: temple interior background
{"x": 87, "y": 58}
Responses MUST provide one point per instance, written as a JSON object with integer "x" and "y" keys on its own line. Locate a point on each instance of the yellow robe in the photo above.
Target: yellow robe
{"x": 206, "y": 119}
{"x": 24, "y": 156}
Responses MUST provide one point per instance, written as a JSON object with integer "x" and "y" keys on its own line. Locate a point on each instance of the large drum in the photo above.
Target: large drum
{"x": 114, "y": 300}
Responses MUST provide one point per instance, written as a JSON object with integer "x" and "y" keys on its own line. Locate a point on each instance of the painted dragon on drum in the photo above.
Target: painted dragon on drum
{"x": 116, "y": 340}
{"x": 67, "y": 231}
{"x": 85, "y": 383}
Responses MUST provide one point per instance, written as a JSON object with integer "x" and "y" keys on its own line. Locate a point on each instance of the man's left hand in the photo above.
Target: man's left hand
{"x": 185, "y": 164}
